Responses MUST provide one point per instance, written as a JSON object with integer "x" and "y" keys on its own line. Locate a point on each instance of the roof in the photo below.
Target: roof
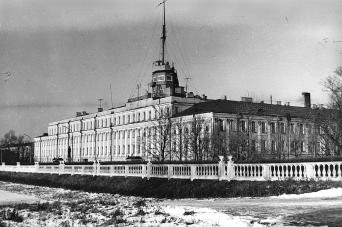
{"x": 250, "y": 108}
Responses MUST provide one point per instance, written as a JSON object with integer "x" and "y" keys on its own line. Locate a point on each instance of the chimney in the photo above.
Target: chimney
{"x": 279, "y": 103}
{"x": 84, "y": 113}
{"x": 307, "y": 100}
{"x": 287, "y": 104}
{"x": 78, "y": 114}
{"x": 225, "y": 97}
{"x": 100, "y": 109}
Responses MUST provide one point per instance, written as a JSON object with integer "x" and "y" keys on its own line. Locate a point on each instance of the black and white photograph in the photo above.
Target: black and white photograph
{"x": 170, "y": 113}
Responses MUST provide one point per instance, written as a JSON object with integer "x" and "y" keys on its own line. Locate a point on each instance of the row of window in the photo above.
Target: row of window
{"x": 112, "y": 121}
{"x": 282, "y": 128}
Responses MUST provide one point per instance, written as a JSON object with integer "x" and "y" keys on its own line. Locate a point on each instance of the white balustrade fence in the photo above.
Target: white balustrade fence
{"x": 220, "y": 171}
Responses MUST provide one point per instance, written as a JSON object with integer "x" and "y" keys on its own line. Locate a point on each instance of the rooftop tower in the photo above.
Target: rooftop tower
{"x": 164, "y": 76}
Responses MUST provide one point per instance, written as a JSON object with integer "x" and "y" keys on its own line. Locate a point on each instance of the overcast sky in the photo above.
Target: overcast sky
{"x": 64, "y": 54}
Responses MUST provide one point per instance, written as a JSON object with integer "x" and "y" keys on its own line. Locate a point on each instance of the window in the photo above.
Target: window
{"x": 150, "y": 115}
{"x": 253, "y": 145}
{"x": 263, "y": 127}
{"x": 253, "y": 128}
{"x": 221, "y": 125}
{"x": 282, "y": 145}
{"x": 282, "y": 128}
{"x": 292, "y": 128}
{"x": 263, "y": 145}
{"x": 301, "y": 129}
{"x": 301, "y": 146}
{"x": 273, "y": 128}
{"x": 243, "y": 126}
{"x": 230, "y": 125}
{"x": 144, "y": 118}
{"x": 309, "y": 128}
{"x": 273, "y": 146}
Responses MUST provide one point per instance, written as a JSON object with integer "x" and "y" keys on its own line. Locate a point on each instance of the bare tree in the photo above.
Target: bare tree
{"x": 11, "y": 138}
{"x": 159, "y": 135}
{"x": 179, "y": 140}
{"x": 330, "y": 121}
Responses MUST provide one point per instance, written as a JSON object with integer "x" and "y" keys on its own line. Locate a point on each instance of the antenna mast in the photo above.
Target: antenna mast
{"x": 163, "y": 38}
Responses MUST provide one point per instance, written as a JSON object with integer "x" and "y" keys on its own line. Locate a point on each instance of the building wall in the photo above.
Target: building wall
{"x": 110, "y": 135}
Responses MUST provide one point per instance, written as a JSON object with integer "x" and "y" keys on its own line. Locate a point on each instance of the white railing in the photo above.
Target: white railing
{"x": 220, "y": 171}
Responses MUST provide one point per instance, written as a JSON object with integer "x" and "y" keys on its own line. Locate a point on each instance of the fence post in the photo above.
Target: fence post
{"x": 148, "y": 169}
{"x": 230, "y": 168}
{"x": 310, "y": 173}
{"x": 18, "y": 167}
{"x": 221, "y": 168}
{"x": 126, "y": 170}
{"x": 61, "y": 167}
{"x": 98, "y": 168}
{"x": 266, "y": 172}
{"x": 143, "y": 171}
{"x": 94, "y": 168}
{"x": 36, "y": 166}
{"x": 111, "y": 170}
{"x": 169, "y": 171}
{"x": 193, "y": 172}
{"x": 82, "y": 170}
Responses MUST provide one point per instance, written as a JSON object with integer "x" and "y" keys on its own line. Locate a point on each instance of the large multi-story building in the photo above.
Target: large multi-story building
{"x": 171, "y": 123}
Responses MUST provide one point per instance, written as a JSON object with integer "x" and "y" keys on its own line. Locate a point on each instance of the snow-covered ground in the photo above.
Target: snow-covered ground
{"x": 61, "y": 207}
{"x": 322, "y": 208}
{"x": 43, "y": 206}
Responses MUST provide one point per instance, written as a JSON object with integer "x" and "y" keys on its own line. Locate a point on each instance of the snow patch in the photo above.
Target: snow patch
{"x": 208, "y": 217}
{"x": 328, "y": 193}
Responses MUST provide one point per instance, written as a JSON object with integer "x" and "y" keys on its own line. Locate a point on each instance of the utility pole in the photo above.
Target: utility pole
{"x": 111, "y": 94}
{"x": 100, "y": 102}
{"x": 138, "y": 87}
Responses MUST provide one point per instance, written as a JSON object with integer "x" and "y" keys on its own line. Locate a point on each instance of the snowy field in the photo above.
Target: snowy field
{"x": 45, "y": 206}
{"x": 27, "y": 205}
{"x": 322, "y": 208}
